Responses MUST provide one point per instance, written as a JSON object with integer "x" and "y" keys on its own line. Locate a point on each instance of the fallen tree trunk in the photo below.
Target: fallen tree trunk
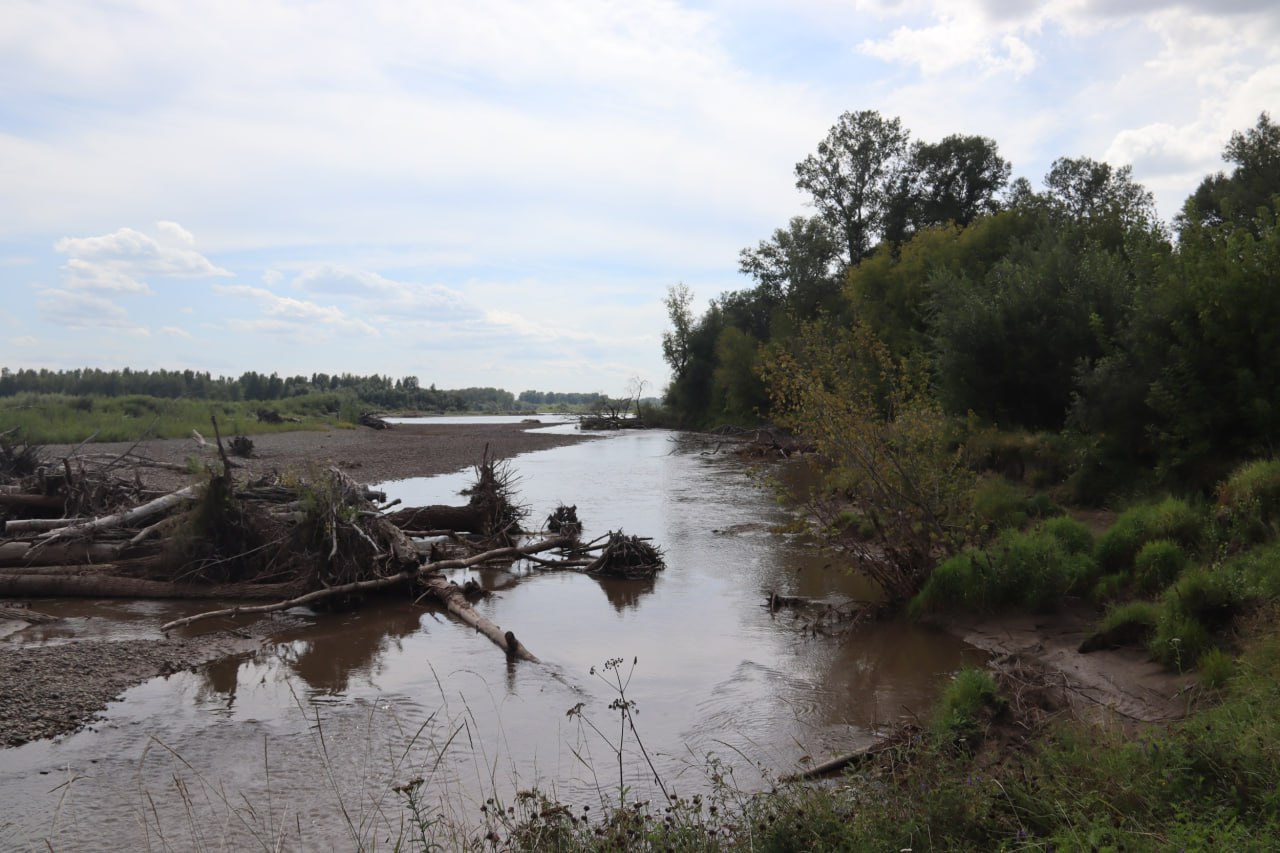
{"x": 121, "y": 519}
{"x": 456, "y": 519}
{"x": 40, "y": 554}
{"x": 451, "y": 596}
{"x": 496, "y": 635}
{"x": 16, "y": 526}
{"x": 114, "y": 586}
{"x": 33, "y": 501}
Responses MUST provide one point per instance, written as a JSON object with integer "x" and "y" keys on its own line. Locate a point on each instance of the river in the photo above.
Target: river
{"x": 299, "y": 744}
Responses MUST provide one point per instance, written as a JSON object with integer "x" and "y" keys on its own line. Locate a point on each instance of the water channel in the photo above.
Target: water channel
{"x": 304, "y": 739}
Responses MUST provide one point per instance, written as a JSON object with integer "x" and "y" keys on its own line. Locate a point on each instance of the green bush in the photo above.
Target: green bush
{"x": 1216, "y": 668}
{"x": 1137, "y": 613}
{"x": 1169, "y": 519}
{"x": 998, "y": 504}
{"x": 1032, "y": 569}
{"x": 971, "y": 695}
{"x": 1158, "y": 564}
{"x": 1073, "y": 535}
{"x": 1249, "y": 502}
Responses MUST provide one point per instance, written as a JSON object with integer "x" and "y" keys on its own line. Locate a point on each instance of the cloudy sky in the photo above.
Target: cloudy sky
{"x": 499, "y": 193}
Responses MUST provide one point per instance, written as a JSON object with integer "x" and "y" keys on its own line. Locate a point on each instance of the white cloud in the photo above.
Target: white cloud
{"x": 24, "y": 341}
{"x": 284, "y": 314}
{"x": 135, "y": 253}
{"x": 80, "y": 310}
{"x": 175, "y": 332}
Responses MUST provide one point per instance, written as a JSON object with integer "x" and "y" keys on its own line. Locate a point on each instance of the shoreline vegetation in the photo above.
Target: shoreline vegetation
{"x": 1032, "y": 409}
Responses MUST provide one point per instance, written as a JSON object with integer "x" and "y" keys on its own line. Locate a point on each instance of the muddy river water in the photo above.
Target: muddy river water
{"x": 298, "y": 744}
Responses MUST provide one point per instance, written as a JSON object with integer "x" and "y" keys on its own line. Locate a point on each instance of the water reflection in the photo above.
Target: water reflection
{"x": 717, "y": 672}
{"x": 329, "y": 653}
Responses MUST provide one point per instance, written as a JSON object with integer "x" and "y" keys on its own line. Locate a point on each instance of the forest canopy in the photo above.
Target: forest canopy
{"x": 1070, "y": 310}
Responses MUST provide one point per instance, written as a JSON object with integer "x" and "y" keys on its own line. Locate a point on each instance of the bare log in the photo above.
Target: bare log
{"x": 457, "y": 519}
{"x": 28, "y": 554}
{"x": 17, "y": 526}
{"x": 451, "y": 596}
{"x": 122, "y": 519}
{"x": 32, "y": 501}
{"x": 113, "y": 586}
{"x": 513, "y": 553}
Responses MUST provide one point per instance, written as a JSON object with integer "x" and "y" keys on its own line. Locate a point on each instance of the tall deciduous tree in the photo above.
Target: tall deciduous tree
{"x": 1253, "y": 184}
{"x": 854, "y": 177}
{"x": 796, "y": 266}
{"x": 1087, "y": 190}
{"x": 957, "y": 180}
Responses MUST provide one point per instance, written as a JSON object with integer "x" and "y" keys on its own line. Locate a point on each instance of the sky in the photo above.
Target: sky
{"x": 497, "y": 193}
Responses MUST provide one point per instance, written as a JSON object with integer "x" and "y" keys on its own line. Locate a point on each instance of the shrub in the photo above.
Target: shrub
{"x": 1249, "y": 501}
{"x": 958, "y": 716}
{"x": 1169, "y": 519}
{"x": 1158, "y": 564}
{"x": 1073, "y": 535}
{"x": 1019, "y": 569}
{"x": 1216, "y": 668}
{"x": 1137, "y": 613}
{"x": 998, "y": 504}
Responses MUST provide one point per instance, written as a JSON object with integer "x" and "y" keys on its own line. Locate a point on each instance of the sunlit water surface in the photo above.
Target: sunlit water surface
{"x": 303, "y": 740}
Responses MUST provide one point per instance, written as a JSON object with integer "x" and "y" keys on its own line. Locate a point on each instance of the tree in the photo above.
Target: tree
{"x": 1087, "y": 190}
{"x": 675, "y": 343}
{"x": 796, "y": 266}
{"x": 891, "y": 459}
{"x": 855, "y": 175}
{"x": 1253, "y": 184}
{"x": 956, "y": 180}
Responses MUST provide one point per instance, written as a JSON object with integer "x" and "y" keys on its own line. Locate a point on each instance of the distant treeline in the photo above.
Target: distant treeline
{"x": 553, "y": 398}
{"x": 376, "y": 390}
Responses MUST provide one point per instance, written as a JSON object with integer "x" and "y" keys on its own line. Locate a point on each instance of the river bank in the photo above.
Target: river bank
{"x": 47, "y": 690}
{"x": 366, "y": 455}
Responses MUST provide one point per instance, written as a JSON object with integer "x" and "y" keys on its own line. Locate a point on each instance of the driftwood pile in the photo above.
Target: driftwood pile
{"x": 324, "y": 541}
{"x": 756, "y": 443}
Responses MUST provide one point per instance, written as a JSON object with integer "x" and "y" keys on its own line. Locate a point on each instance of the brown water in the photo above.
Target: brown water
{"x": 304, "y": 739}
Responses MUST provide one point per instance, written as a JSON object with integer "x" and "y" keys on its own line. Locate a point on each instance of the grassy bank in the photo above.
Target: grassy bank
{"x": 62, "y": 419}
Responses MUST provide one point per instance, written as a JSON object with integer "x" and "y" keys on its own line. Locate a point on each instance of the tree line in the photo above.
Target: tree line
{"x": 1070, "y": 310}
{"x": 403, "y": 393}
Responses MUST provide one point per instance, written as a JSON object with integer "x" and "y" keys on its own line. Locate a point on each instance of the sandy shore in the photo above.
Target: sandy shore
{"x": 367, "y": 455}
{"x": 52, "y": 690}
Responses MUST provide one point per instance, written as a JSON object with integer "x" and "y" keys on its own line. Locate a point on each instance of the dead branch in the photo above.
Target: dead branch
{"x": 375, "y": 583}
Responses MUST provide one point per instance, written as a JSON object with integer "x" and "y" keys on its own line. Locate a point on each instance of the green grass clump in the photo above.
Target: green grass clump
{"x": 1158, "y": 564}
{"x": 1249, "y": 502}
{"x": 1136, "y": 613}
{"x": 1216, "y": 667}
{"x": 1031, "y": 569}
{"x": 1171, "y": 518}
{"x": 1073, "y": 535}
{"x": 971, "y": 695}
{"x": 999, "y": 505}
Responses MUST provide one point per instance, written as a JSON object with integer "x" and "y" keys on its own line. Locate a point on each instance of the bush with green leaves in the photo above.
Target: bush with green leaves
{"x": 958, "y": 716}
{"x": 1170, "y": 518}
{"x": 1073, "y": 535}
{"x": 1249, "y": 502}
{"x": 1158, "y": 564}
{"x": 1032, "y": 569}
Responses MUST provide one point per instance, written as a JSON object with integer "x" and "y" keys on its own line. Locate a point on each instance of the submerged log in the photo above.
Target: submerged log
{"x": 452, "y": 597}
{"x": 424, "y": 571}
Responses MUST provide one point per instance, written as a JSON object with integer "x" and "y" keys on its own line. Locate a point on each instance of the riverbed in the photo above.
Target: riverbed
{"x": 300, "y": 741}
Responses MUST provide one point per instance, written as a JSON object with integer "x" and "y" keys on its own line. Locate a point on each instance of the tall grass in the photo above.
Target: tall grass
{"x": 60, "y": 419}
